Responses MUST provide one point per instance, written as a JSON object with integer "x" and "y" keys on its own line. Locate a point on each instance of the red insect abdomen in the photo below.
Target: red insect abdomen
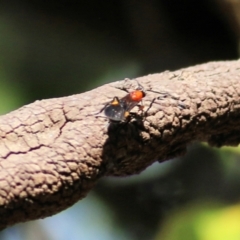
{"x": 137, "y": 95}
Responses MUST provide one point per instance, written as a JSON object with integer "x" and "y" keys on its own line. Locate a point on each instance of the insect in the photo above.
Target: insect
{"x": 118, "y": 110}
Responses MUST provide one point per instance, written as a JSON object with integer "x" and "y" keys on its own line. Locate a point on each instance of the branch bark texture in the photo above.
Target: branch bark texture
{"x": 53, "y": 151}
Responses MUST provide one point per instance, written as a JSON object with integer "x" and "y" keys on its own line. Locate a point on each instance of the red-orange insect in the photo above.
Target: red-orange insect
{"x": 119, "y": 109}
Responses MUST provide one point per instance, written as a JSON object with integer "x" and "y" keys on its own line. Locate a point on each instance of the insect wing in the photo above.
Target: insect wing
{"x": 127, "y": 103}
{"x": 115, "y": 112}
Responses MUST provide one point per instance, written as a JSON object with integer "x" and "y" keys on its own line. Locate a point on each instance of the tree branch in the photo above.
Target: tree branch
{"x": 53, "y": 151}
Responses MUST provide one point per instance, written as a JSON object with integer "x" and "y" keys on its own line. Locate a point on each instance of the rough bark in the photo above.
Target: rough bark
{"x": 53, "y": 151}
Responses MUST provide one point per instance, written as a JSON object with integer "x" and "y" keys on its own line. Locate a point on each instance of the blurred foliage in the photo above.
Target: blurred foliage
{"x": 11, "y": 97}
{"x": 203, "y": 221}
{"x": 58, "y": 48}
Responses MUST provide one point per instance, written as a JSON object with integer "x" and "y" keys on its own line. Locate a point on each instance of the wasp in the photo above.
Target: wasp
{"x": 118, "y": 110}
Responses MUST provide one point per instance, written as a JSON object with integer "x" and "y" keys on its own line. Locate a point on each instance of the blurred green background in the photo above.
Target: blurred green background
{"x": 58, "y": 48}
